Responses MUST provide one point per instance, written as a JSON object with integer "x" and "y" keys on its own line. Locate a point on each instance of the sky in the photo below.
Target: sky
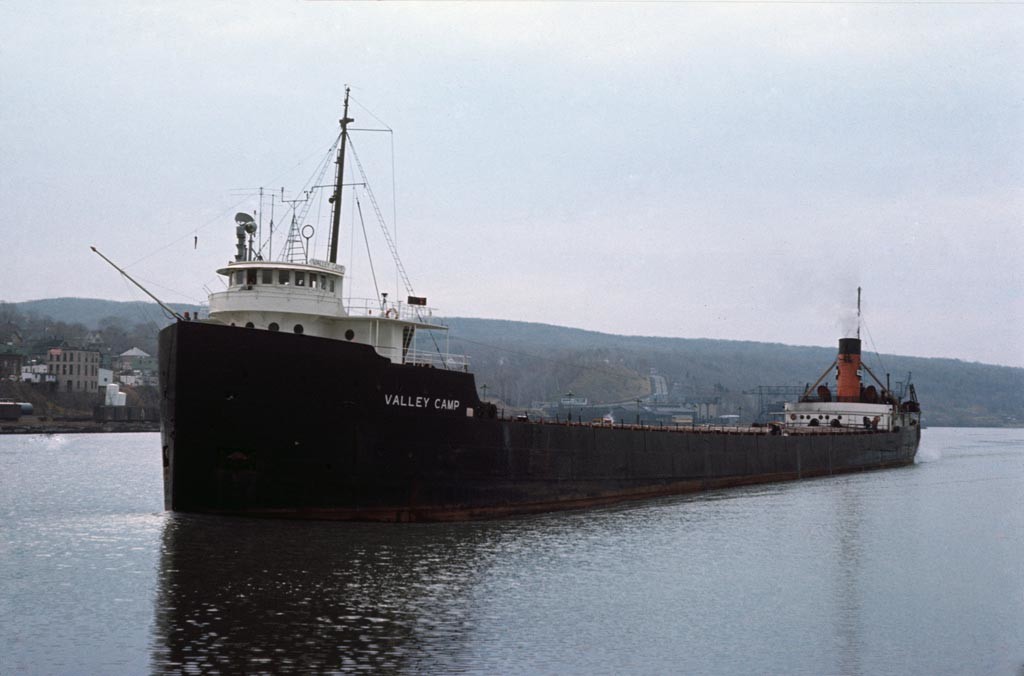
{"x": 727, "y": 170}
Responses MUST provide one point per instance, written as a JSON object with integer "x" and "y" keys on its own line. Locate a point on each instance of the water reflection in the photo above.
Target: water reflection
{"x": 915, "y": 571}
{"x": 252, "y": 596}
{"x": 831, "y": 576}
{"x": 271, "y": 596}
{"x": 849, "y": 569}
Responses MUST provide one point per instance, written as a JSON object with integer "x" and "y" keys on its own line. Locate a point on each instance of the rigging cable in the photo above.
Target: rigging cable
{"x": 394, "y": 196}
{"x": 370, "y": 113}
{"x": 317, "y": 183}
{"x": 194, "y": 231}
{"x": 394, "y": 188}
{"x": 367, "y": 240}
{"x": 312, "y": 184}
{"x": 319, "y": 217}
{"x": 383, "y": 225}
{"x": 352, "y": 245}
{"x": 874, "y": 348}
{"x": 392, "y": 246}
{"x": 167, "y": 288}
{"x": 144, "y": 307}
{"x": 390, "y": 243}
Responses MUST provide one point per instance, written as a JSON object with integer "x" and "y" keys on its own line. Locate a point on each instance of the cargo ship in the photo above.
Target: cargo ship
{"x": 384, "y": 423}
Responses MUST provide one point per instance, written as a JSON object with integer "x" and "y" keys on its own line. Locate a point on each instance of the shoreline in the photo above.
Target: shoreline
{"x": 30, "y": 426}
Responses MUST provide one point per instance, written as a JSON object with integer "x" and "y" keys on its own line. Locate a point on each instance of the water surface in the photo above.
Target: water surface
{"x": 910, "y": 571}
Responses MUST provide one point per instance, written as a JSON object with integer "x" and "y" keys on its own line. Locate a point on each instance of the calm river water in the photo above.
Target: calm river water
{"x": 911, "y": 571}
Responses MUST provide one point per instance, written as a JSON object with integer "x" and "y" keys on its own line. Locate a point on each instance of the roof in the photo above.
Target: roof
{"x": 319, "y": 266}
{"x": 134, "y": 352}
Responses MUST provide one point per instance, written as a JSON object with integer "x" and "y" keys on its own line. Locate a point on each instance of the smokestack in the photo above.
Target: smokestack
{"x": 848, "y": 378}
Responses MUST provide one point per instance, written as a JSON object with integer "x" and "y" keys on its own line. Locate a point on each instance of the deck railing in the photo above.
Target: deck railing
{"x": 369, "y": 307}
{"x": 442, "y": 360}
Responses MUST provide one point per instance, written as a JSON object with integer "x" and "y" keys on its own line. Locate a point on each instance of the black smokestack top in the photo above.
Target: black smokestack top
{"x": 849, "y": 346}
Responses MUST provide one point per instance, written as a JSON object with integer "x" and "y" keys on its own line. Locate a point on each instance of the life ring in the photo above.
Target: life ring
{"x": 392, "y": 313}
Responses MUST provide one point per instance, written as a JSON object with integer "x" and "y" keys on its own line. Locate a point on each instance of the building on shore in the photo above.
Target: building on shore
{"x": 75, "y": 370}
{"x": 10, "y": 364}
{"x": 37, "y": 373}
{"x": 134, "y": 360}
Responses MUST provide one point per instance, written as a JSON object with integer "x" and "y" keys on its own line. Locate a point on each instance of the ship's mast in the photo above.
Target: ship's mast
{"x": 336, "y": 197}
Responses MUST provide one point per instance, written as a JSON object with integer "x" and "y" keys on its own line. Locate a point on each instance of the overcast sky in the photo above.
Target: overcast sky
{"x": 719, "y": 170}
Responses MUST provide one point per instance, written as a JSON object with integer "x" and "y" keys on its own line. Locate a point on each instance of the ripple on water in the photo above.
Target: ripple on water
{"x": 855, "y": 574}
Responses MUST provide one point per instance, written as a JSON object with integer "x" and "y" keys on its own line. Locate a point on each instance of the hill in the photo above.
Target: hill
{"x": 89, "y": 311}
{"x": 522, "y": 362}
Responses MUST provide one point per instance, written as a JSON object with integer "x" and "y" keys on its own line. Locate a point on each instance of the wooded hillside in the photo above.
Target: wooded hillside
{"x": 522, "y": 362}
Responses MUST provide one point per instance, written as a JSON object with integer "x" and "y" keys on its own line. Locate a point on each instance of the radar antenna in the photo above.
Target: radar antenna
{"x": 245, "y": 225}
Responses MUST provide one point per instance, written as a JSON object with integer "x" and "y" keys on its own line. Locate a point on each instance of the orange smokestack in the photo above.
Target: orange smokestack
{"x": 848, "y": 378}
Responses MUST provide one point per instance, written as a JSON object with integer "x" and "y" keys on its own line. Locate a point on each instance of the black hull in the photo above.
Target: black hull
{"x": 277, "y": 424}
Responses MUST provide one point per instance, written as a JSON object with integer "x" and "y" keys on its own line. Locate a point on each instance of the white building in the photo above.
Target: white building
{"x": 37, "y": 373}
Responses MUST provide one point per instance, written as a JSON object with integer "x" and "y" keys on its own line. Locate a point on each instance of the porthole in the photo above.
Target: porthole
{"x": 273, "y": 326}
{"x": 250, "y": 325}
{"x": 350, "y": 334}
{"x": 298, "y": 328}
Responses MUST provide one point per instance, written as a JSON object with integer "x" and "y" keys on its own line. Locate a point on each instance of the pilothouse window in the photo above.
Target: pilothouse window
{"x": 282, "y": 277}
{"x": 300, "y": 279}
{"x": 268, "y": 276}
{"x": 239, "y": 278}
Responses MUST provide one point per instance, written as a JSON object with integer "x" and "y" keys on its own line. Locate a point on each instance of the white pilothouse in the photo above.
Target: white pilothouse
{"x": 307, "y": 298}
